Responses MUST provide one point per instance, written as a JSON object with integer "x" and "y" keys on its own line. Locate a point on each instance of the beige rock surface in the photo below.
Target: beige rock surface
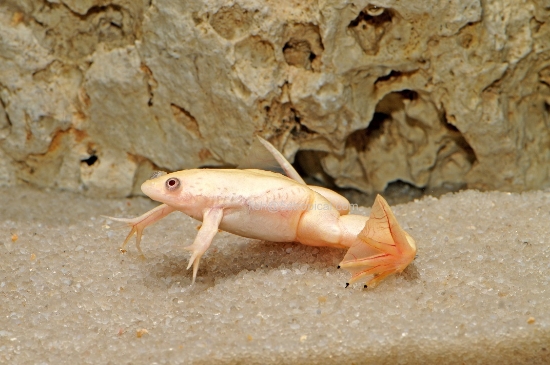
{"x": 95, "y": 94}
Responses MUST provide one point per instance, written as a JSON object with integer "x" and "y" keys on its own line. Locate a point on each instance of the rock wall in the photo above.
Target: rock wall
{"x": 95, "y": 94}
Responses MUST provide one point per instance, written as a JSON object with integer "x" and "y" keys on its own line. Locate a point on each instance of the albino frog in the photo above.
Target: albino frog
{"x": 273, "y": 207}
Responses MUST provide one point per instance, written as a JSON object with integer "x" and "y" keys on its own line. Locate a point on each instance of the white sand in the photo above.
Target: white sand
{"x": 69, "y": 296}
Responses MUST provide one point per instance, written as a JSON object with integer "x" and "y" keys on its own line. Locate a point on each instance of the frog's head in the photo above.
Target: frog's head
{"x": 163, "y": 187}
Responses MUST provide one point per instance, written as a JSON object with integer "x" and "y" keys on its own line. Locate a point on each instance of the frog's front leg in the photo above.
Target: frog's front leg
{"x": 210, "y": 223}
{"x": 138, "y": 224}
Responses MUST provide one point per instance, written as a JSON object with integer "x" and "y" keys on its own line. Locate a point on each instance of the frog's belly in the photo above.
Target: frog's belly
{"x": 264, "y": 224}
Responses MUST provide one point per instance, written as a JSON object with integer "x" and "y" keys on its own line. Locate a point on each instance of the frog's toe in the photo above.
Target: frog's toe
{"x": 138, "y": 224}
{"x": 196, "y": 254}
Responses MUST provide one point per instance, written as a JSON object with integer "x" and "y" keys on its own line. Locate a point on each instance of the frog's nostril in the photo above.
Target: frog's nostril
{"x": 156, "y": 174}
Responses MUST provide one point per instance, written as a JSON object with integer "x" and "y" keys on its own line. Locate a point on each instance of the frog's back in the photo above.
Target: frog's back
{"x": 237, "y": 183}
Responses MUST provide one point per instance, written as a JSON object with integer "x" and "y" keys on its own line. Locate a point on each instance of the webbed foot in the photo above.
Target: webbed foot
{"x": 383, "y": 247}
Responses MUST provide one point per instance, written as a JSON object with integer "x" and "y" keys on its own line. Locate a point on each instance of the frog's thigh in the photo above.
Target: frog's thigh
{"x": 320, "y": 227}
{"x": 341, "y": 204}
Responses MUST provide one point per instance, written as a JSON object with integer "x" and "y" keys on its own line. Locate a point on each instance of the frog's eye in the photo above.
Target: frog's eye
{"x": 172, "y": 183}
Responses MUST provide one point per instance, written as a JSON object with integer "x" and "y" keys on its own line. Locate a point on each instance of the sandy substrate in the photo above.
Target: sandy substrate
{"x": 478, "y": 291}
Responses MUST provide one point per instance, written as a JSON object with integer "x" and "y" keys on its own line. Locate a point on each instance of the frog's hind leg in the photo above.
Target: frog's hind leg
{"x": 382, "y": 248}
{"x": 138, "y": 224}
{"x": 210, "y": 223}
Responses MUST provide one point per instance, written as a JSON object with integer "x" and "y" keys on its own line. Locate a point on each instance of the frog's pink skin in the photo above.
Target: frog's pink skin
{"x": 263, "y": 162}
{"x": 269, "y": 206}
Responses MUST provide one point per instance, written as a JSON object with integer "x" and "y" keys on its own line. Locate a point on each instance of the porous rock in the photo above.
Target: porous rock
{"x": 96, "y": 94}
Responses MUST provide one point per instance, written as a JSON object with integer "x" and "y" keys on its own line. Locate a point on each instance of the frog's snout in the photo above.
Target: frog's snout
{"x": 150, "y": 188}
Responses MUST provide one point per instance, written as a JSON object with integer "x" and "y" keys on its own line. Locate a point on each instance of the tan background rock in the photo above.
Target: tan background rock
{"x": 96, "y": 94}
